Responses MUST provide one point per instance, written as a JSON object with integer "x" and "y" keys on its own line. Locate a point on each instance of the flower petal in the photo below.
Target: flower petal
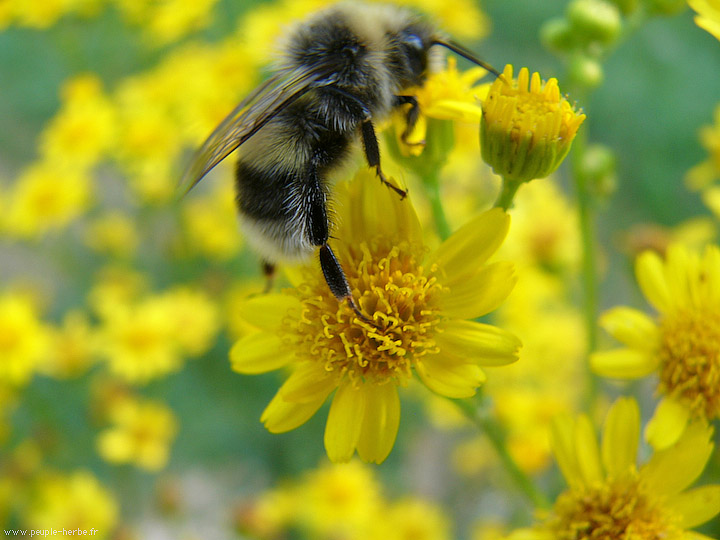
{"x": 342, "y": 430}
{"x": 652, "y": 280}
{"x": 259, "y": 352}
{"x": 671, "y": 470}
{"x": 588, "y": 452}
{"x": 449, "y": 376}
{"x": 380, "y": 422}
{"x": 266, "y": 311}
{"x": 621, "y": 436}
{"x": 471, "y": 245}
{"x": 667, "y": 424}
{"x": 482, "y": 343}
{"x": 623, "y": 363}
{"x": 562, "y": 441}
{"x": 281, "y": 415}
{"x": 696, "y": 506}
{"x": 630, "y": 326}
{"x": 307, "y": 383}
{"x": 480, "y": 293}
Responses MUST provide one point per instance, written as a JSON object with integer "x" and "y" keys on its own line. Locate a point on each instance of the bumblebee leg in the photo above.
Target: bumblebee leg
{"x": 268, "y": 270}
{"x": 411, "y": 118}
{"x": 317, "y": 228}
{"x": 372, "y": 154}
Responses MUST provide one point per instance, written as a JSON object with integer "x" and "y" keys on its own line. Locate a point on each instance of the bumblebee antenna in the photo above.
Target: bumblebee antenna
{"x": 468, "y": 55}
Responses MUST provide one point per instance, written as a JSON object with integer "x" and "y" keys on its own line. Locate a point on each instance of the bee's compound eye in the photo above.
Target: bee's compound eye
{"x": 414, "y": 41}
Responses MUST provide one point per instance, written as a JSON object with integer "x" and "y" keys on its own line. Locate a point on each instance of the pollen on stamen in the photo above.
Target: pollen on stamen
{"x": 401, "y": 302}
{"x": 617, "y": 508}
{"x": 690, "y": 360}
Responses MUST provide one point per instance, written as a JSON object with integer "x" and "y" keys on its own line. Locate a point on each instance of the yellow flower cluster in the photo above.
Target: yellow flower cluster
{"x": 341, "y": 501}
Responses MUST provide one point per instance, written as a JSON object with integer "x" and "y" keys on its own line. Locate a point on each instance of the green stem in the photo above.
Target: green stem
{"x": 432, "y": 181}
{"x": 507, "y": 194}
{"x": 495, "y": 433}
{"x": 587, "y": 234}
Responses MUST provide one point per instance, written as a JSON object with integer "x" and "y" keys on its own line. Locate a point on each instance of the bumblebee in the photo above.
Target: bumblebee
{"x": 339, "y": 72}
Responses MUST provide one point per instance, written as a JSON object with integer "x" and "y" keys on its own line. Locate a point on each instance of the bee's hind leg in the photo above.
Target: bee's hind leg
{"x": 372, "y": 154}
{"x": 411, "y": 118}
{"x": 336, "y": 280}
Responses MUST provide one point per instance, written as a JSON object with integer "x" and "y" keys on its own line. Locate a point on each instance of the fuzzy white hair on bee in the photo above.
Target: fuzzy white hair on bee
{"x": 338, "y": 73}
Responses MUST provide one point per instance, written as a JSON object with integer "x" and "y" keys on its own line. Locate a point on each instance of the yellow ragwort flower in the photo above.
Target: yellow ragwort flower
{"x": 47, "y": 196}
{"x": 527, "y": 126}
{"x": 610, "y": 498}
{"x": 139, "y": 340}
{"x": 417, "y": 306}
{"x": 681, "y": 346}
{"x": 24, "y": 339}
{"x": 142, "y": 434}
{"x": 708, "y": 15}
{"x": 72, "y": 349}
{"x": 448, "y": 94}
{"x": 74, "y": 502}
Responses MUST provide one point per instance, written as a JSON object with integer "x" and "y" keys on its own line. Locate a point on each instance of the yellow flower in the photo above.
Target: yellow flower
{"x": 139, "y": 340}
{"x": 46, "y": 196}
{"x": 84, "y": 129}
{"x": 24, "y": 339}
{"x": 113, "y": 233}
{"x": 708, "y": 15}
{"x": 73, "y": 347}
{"x": 446, "y": 95}
{"x": 527, "y": 127}
{"x": 210, "y": 223}
{"x": 459, "y": 18}
{"x": 609, "y": 497}
{"x": 142, "y": 434}
{"x": 337, "y": 501}
{"x": 682, "y": 346}
{"x": 72, "y": 502}
{"x": 195, "y": 319}
{"x": 417, "y": 307}
{"x": 411, "y": 518}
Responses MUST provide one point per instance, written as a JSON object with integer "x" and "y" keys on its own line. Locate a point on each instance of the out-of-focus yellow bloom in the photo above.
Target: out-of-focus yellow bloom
{"x": 418, "y": 309}
{"x": 695, "y": 233}
{"x": 703, "y": 174}
{"x": 545, "y": 229}
{"x": 682, "y": 345}
{"x": 608, "y": 496}
{"x": 527, "y": 127}
{"x": 338, "y": 501}
{"x": 211, "y": 225}
{"x": 42, "y": 15}
{"x": 166, "y": 21}
{"x": 72, "y": 502}
{"x": 84, "y": 128}
{"x": 72, "y": 347}
{"x": 268, "y": 515}
{"x": 195, "y": 319}
{"x": 115, "y": 286}
{"x": 139, "y": 340}
{"x": 708, "y": 15}
{"x": 412, "y": 518}
{"x": 24, "y": 339}
{"x": 113, "y": 233}
{"x": 46, "y": 196}
{"x": 141, "y": 434}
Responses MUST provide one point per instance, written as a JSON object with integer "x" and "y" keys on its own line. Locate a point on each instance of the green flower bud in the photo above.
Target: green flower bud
{"x": 585, "y": 71}
{"x": 594, "y": 20}
{"x": 556, "y": 35}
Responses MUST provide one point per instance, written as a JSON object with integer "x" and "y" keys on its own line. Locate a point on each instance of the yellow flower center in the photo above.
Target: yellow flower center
{"x": 391, "y": 289}
{"x": 690, "y": 360}
{"x": 613, "y": 510}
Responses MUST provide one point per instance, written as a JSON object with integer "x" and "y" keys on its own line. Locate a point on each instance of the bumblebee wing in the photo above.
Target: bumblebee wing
{"x": 255, "y": 111}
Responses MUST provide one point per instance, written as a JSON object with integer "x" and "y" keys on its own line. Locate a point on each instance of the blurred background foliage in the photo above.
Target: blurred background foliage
{"x": 661, "y": 84}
